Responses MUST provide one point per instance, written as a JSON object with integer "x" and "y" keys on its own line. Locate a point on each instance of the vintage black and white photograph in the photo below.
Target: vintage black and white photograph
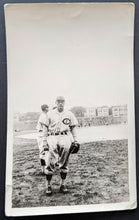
{"x": 71, "y": 126}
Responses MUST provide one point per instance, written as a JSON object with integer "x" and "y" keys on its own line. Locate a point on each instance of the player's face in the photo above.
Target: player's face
{"x": 46, "y": 110}
{"x": 60, "y": 105}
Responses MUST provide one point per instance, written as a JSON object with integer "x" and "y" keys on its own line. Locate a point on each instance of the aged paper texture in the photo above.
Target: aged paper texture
{"x": 70, "y": 80}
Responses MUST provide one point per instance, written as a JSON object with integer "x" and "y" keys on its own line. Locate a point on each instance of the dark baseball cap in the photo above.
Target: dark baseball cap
{"x": 44, "y": 106}
{"x": 60, "y": 98}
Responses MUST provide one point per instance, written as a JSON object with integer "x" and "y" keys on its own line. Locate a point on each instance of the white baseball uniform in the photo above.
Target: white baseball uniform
{"x": 41, "y": 139}
{"x": 59, "y": 139}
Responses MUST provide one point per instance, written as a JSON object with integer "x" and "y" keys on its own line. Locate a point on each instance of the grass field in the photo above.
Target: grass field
{"x": 97, "y": 174}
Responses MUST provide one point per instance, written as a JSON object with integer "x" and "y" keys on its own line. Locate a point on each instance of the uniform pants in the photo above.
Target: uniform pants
{"x": 43, "y": 155}
{"x": 58, "y": 153}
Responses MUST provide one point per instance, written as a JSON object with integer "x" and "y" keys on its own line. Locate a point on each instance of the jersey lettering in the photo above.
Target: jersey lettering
{"x": 66, "y": 121}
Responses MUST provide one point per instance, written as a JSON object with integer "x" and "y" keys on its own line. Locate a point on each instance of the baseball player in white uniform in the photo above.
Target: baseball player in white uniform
{"x": 61, "y": 133}
{"x": 41, "y": 138}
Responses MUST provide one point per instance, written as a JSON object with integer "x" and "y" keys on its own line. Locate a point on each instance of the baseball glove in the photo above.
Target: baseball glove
{"x": 74, "y": 148}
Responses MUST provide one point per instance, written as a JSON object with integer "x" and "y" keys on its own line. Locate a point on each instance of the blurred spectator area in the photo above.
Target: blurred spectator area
{"x": 25, "y": 121}
{"x": 90, "y": 116}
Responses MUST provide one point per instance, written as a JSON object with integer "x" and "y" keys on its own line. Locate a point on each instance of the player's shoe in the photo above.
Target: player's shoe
{"x": 63, "y": 189}
{"x": 49, "y": 191}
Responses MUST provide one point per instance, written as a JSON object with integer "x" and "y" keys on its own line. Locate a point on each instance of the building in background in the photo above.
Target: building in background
{"x": 90, "y": 112}
{"x": 103, "y": 111}
{"x": 119, "y": 114}
{"x": 90, "y": 116}
{"x": 119, "y": 111}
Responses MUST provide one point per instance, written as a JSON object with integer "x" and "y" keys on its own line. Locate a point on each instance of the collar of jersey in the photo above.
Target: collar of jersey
{"x": 60, "y": 113}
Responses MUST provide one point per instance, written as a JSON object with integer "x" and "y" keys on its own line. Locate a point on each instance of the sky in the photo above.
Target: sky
{"x": 82, "y": 52}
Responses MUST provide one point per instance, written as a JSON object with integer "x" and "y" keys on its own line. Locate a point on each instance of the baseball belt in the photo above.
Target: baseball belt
{"x": 57, "y": 133}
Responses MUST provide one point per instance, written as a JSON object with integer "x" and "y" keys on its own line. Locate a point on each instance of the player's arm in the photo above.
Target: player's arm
{"x": 38, "y": 127}
{"x": 44, "y": 124}
{"x": 45, "y": 130}
{"x": 73, "y": 126}
{"x": 45, "y": 134}
{"x": 75, "y": 146}
{"x": 74, "y": 132}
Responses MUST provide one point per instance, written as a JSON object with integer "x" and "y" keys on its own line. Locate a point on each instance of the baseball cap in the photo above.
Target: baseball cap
{"x": 60, "y": 98}
{"x": 44, "y": 106}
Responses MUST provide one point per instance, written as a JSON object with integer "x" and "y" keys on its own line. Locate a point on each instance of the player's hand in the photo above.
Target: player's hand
{"x": 46, "y": 147}
{"x": 74, "y": 148}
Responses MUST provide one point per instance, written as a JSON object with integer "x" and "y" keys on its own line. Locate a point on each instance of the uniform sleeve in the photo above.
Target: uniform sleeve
{"x": 38, "y": 127}
{"x": 43, "y": 121}
{"x": 73, "y": 119}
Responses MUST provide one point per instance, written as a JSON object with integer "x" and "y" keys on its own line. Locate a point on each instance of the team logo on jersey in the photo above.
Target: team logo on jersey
{"x": 66, "y": 121}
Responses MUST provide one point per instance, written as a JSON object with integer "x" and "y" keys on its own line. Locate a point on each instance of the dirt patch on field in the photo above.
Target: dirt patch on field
{"x": 97, "y": 174}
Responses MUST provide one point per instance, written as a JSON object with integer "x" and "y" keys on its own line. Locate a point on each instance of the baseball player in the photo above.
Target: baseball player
{"x": 42, "y": 130}
{"x": 61, "y": 134}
